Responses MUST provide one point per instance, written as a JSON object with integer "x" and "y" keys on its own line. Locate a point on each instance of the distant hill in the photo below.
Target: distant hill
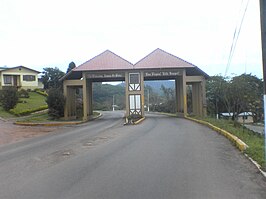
{"x": 156, "y": 85}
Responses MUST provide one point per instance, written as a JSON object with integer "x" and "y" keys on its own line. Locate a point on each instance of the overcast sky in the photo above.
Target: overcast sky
{"x": 52, "y": 33}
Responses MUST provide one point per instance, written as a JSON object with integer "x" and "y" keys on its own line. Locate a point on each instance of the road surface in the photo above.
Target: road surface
{"x": 162, "y": 157}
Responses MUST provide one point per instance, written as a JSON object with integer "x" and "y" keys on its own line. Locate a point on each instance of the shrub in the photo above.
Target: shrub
{"x": 56, "y": 103}
{"x": 9, "y": 97}
{"x": 23, "y": 93}
{"x": 27, "y": 111}
{"x": 133, "y": 118}
{"x": 41, "y": 92}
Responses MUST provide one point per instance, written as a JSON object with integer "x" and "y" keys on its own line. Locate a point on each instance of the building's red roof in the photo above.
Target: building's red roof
{"x": 161, "y": 59}
{"x": 105, "y": 61}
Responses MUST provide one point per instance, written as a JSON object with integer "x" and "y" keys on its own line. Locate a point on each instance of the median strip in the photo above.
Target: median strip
{"x": 139, "y": 121}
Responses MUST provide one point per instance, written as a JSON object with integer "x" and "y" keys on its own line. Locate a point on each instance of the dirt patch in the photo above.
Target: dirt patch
{"x": 10, "y": 133}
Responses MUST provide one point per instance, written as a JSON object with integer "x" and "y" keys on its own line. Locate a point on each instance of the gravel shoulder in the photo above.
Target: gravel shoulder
{"x": 10, "y": 133}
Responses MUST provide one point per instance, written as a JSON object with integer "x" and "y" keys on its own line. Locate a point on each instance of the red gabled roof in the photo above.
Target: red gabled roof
{"x": 161, "y": 59}
{"x": 105, "y": 61}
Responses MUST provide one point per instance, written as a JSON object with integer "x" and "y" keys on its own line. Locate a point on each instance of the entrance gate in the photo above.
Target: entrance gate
{"x": 158, "y": 65}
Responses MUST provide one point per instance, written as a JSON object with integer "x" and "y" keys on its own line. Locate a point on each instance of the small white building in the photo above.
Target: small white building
{"x": 20, "y": 77}
{"x": 244, "y": 117}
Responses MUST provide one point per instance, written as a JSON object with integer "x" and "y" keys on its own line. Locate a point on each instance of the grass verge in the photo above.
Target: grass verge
{"x": 5, "y": 114}
{"x": 253, "y": 140}
{"x": 35, "y": 102}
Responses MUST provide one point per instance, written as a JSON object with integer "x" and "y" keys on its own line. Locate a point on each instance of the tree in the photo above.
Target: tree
{"x": 51, "y": 77}
{"x": 216, "y": 93}
{"x": 246, "y": 94}
{"x": 235, "y": 95}
{"x": 71, "y": 66}
{"x": 103, "y": 95}
{"x": 9, "y": 98}
{"x": 56, "y": 102}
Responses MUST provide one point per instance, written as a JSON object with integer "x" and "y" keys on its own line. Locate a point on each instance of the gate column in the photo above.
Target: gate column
{"x": 181, "y": 94}
{"x": 87, "y": 97}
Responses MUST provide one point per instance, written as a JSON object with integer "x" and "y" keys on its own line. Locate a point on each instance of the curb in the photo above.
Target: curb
{"x": 257, "y": 165}
{"x": 139, "y": 121}
{"x": 50, "y": 124}
{"x": 242, "y": 146}
{"x": 47, "y": 124}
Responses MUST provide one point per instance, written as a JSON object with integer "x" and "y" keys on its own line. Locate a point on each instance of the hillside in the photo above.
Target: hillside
{"x": 156, "y": 85}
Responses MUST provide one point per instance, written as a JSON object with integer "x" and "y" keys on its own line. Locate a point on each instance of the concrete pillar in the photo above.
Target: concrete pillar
{"x": 200, "y": 109}
{"x": 204, "y": 100}
{"x": 72, "y": 104}
{"x": 90, "y": 95}
{"x": 66, "y": 97}
{"x": 70, "y": 109}
{"x": 142, "y": 94}
{"x": 181, "y": 94}
{"x": 127, "y": 93}
{"x": 178, "y": 91}
{"x": 197, "y": 98}
{"x": 85, "y": 97}
{"x": 184, "y": 85}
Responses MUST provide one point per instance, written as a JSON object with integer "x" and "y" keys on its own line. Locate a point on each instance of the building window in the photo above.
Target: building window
{"x": 135, "y": 104}
{"x": 245, "y": 117}
{"x": 29, "y": 78}
{"x": 7, "y": 79}
{"x": 134, "y": 81}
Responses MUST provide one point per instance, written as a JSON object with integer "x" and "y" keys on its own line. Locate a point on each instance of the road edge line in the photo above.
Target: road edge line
{"x": 256, "y": 164}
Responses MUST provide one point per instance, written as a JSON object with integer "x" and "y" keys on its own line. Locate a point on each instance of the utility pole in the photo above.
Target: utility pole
{"x": 263, "y": 42}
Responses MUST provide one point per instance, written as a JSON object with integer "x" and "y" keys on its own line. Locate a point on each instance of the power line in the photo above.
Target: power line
{"x": 236, "y": 36}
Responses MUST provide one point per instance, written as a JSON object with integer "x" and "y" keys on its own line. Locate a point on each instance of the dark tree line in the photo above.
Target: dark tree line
{"x": 54, "y": 87}
{"x": 242, "y": 93}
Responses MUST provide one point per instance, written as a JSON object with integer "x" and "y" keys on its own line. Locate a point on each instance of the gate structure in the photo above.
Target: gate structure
{"x": 158, "y": 65}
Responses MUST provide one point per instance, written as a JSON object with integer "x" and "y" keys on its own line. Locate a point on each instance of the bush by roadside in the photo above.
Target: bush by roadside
{"x": 8, "y": 98}
{"x": 56, "y": 102}
{"x": 35, "y": 102}
{"x": 43, "y": 93}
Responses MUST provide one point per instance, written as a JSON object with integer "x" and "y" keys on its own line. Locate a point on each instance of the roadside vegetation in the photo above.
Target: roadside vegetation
{"x": 35, "y": 102}
{"x": 26, "y": 103}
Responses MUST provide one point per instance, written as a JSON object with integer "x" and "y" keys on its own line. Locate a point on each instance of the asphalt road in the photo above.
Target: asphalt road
{"x": 162, "y": 157}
